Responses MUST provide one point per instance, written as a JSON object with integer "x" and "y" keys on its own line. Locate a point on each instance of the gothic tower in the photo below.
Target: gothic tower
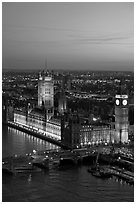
{"x": 62, "y": 102}
{"x": 121, "y": 118}
{"x": 46, "y": 93}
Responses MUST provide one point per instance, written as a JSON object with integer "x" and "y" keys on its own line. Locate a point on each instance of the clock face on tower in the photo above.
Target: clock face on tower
{"x": 124, "y": 102}
{"x": 117, "y": 102}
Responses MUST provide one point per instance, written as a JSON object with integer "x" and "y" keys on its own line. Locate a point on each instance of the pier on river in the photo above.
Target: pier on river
{"x": 75, "y": 157}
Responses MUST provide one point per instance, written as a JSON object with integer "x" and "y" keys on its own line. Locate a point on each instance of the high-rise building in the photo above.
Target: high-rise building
{"x": 121, "y": 118}
{"x": 46, "y": 93}
{"x": 66, "y": 82}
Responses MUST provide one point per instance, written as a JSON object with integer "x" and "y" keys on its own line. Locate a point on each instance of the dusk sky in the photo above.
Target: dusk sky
{"x": 80, "y": 36}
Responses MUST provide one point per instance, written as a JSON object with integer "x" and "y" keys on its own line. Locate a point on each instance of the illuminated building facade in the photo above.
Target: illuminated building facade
{"x": 46, "y": 93}
{"x": 96, "y": 134}
{"x": 53, "y": 128}
{"x": 36, "y": 121}
{"x": 78, "y": 134}
{"x": 121, "y": 119}
{"x": 20, "y": 117}
{"x": 41, "y": 118}
{"x": 71, "y": 132}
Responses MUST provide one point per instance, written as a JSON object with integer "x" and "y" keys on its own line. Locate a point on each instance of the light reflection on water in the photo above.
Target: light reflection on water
{"x": 71, "y": 185}
{"x": 17, "y": 142}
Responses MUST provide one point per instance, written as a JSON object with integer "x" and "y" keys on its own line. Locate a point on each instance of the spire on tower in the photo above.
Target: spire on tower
{"x": 45, "y": 63}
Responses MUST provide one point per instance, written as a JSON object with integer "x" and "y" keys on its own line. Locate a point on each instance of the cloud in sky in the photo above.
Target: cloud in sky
{"x": 69, "y": 35}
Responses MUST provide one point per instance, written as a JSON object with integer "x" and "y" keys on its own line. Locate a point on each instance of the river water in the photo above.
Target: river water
{"x": 74, "y": 184}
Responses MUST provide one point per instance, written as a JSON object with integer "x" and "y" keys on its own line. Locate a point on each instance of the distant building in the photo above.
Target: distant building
{"x": 4, "y": 109}
{"x": 7, "y": 109}
{"x": 69, "y": 84}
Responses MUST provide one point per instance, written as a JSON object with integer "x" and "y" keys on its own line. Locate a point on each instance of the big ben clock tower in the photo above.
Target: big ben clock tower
{"x": 121, "y": 118}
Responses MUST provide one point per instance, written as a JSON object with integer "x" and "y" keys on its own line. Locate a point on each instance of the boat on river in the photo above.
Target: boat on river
{"x": 43, "y": 164}
{"x": 96, "y": 174}
{"x": 101, "y": 172}
{"x": 13, "y": 166}
{"x": 26, "y": 169}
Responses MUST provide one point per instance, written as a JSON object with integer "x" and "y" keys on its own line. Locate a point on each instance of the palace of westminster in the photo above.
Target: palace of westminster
{"x": 70, "y": 128}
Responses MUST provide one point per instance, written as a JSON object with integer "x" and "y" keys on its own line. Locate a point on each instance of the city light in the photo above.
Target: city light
{"x": 68, "y": 125}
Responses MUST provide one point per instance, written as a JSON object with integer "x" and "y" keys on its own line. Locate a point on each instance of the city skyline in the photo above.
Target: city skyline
{"x": 78, "y": 36}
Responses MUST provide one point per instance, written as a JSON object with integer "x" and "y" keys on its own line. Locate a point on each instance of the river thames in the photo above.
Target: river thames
{"x": 74, "y": 184}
